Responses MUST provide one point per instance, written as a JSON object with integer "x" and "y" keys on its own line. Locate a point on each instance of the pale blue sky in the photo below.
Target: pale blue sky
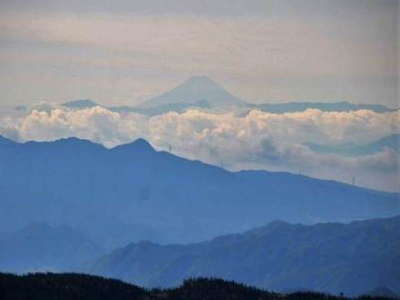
{"x": 127, "y": 51}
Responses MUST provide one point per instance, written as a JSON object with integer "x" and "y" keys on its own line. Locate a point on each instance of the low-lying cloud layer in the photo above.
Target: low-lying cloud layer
{"x": 256, "y": 140}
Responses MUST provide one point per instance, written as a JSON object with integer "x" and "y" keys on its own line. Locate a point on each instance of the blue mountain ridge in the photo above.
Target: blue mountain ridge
{"x": 133, "y": 192}
{"x": 331, "y": 257}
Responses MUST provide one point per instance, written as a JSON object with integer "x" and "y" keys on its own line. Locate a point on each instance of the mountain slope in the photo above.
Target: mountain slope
{"x": 4, "y": 141}
{"x": 132, "y": 192}
{"x": 332, "y": 257}
{"x": 43, "y": 247}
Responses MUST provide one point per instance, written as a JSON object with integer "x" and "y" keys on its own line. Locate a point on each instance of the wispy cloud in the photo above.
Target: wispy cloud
{"x": 240, "y": 44}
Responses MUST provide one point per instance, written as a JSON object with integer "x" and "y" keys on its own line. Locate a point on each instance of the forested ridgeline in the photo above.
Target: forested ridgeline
{"x": 68, "y": 286}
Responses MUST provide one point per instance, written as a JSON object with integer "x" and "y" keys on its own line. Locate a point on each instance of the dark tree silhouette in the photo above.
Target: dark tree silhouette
{"x": 68, "y": 286}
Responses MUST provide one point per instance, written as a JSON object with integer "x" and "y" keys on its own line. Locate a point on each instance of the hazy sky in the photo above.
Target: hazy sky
{"x": 127, "y": 51}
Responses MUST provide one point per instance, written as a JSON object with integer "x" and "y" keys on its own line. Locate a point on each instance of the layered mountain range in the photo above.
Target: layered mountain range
{"x": 201, "y": 92}
{"x": 163, "y": 218}
{"x": 331, "y": 257}
{"x": 133, "y": 192}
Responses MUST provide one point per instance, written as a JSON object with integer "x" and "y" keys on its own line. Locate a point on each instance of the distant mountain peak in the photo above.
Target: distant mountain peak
{"x": 139, "y": 144}
{"x": 201, "y": 77}
{"x": 195, "y": 89}
{"x": 202, "y": 80}
{"x": 81, "y": 103}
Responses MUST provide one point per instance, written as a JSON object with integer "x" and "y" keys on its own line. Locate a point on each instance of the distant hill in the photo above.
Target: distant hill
{"x": 277, "y": 108}
{"x": 323, "y": 106}
{"x": 79, "y": 286}
{"x": 42, "y": 247}
{"x": 151, "y": 108}
{"x": 132, "y": 192}
{"x": 149, "y": 111}
{"x": 331, "y": 257}
{"x": 48, "y": 107}
{"x": 390, "y": 141}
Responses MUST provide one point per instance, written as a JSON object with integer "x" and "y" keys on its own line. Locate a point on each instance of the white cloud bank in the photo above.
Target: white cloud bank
{"x": 257, "y": 140}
